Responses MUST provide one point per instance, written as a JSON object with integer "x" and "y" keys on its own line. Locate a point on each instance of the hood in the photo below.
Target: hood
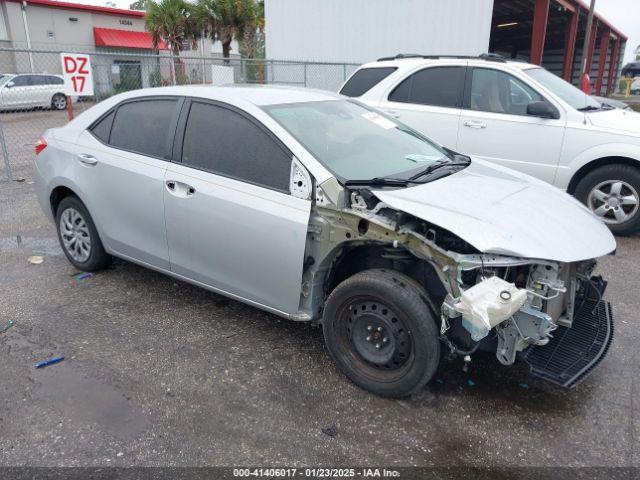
{"x": 616, "y": 119}
{"x": 498, "y": 210}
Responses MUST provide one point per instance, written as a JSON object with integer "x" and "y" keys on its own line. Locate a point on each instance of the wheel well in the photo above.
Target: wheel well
{"x": 600, "y": 162}
{"x": 353, "y": 259}
{"x": 57, "y": 195}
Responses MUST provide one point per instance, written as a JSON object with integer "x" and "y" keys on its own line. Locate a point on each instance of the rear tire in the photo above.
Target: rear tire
{"x": 381, "y": 334}
{"x": 613, "y": 193}
{"x": 59, "y": 102}
{"x": 78, "y": 236}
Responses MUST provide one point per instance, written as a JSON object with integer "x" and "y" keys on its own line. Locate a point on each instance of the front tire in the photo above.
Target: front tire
{"x": 381, "y": 334}
{"x": 78, "y": 236}
{"x": 59, "y": 102}
{"x": 613, "y": 193}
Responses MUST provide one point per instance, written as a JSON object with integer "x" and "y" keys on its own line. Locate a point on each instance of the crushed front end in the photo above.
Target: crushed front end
{"x": 550, "y": 314}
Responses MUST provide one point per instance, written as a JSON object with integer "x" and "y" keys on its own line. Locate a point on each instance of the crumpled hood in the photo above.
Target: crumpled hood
{"x": 616, "y": 119}
{"x": 498, "y": 210}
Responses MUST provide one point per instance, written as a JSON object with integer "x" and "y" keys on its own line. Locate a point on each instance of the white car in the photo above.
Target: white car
{"x": 318, "y": 208}
{"x": 519, "y": 116}
{"x": 28, "y": 90}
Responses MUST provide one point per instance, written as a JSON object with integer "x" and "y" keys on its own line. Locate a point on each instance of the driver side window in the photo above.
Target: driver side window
{"x": 498, "y": 92}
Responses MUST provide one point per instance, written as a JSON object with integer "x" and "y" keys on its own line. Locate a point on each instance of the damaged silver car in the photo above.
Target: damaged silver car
{"x": 320, "y": 209}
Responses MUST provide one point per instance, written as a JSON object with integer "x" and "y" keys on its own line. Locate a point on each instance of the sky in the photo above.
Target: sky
{"x": 623, "y": 14}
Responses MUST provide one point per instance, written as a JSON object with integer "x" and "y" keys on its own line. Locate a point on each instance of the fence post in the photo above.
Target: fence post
{"x": 344, "y": 72}
{"x": 5, "y": 153}
{"x": 305, "y": 74}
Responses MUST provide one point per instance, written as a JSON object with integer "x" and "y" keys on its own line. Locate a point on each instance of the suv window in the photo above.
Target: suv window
{"x": 364, "y": 80}
{"x": 225, "y": 142}
{"x": 143, "y": 126}
{"x": 21, "y": 81}
{"x": 51, "y": 80}
{"x": 498, "y": 92}
{"x": 437, "y": 86}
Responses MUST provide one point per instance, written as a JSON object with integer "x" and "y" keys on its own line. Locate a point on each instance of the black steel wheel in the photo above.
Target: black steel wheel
{"x": 381, "y": 333}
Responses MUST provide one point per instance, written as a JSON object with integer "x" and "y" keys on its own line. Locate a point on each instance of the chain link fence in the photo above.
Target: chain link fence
{"x": 32, "y": 98}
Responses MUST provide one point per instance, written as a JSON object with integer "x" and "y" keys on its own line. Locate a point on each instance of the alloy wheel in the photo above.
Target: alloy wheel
{"x": 614, "y": 201}
{"x": 75, "y": 235}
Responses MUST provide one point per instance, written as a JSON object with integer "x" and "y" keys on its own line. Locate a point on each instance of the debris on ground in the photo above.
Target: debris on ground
{"x": 35, "y": 259}
{"x": 523, "y": 385}
{"x": 9, "y": 325}
{"x": 48, "y": 362}
{"x": 439, "y": 381}
{"x": 82, "y": 276}
{"x": 331, "y": 430}
{"x": 471, "y": 383}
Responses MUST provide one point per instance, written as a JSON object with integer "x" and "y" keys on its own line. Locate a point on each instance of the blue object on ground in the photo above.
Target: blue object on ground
{"x": 82, "y": 276}
{"x": 523, "y": 385}
{"x": 471, "y": 383}
{"x": 50, "y": 361}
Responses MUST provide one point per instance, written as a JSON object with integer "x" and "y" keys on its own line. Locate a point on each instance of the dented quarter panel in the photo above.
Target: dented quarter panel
{"x": 505, "y": 213}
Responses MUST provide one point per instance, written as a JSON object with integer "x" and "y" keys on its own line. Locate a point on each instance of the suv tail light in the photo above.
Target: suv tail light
{"x": 40, "y": 145}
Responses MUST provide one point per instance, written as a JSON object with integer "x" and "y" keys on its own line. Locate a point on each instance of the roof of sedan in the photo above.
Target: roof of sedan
{"x": 256, "y": 94}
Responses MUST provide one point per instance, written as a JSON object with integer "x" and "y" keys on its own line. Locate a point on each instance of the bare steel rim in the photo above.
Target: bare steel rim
{"x": 614, "y": 201}
{"x": 59, "y": 102}
{"x": 375, "y": 339}
{"x": 75, "y": 235}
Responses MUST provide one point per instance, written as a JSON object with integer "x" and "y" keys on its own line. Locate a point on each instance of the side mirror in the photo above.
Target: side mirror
{"x": 10, "y": 84}
{"x": 542, "y": 109}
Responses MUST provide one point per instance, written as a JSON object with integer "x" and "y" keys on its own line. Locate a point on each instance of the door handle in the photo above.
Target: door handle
{"x": 87, "y": 159}
{"x": 180, "y": 189}
{"x": 476, "y": 125}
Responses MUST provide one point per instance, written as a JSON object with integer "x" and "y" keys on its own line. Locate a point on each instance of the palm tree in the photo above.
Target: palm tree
{"x": 226, "y": 20}
{"x": 172, "y": 22}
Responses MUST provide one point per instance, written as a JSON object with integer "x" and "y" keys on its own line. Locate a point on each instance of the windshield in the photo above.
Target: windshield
{"x": 354, "y": 142}
{"x": 567, "y": 92}
{"x": 4, "y": 79}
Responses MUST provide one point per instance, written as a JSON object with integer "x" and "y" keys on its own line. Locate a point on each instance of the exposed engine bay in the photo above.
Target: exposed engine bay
{"x": 501, "y": 303}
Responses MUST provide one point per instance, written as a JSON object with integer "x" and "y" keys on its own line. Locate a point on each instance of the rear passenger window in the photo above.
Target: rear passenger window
{"x": 51, "y": 80}
{"x": 223, "y": 141}
{"x": 364, "y": 80}
{"x": 102, "y": 129}
{"x": 143, "y": 127}
{"x": 438, "y": 86}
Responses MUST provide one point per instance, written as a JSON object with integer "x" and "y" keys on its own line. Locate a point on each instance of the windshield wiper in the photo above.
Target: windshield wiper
{"x": 458, "y": 161}
{"x": 589, "y": 108}
{"x": 380, "y": 182}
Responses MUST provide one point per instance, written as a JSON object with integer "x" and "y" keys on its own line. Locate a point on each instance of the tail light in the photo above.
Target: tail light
{"x": 40, "y": 145}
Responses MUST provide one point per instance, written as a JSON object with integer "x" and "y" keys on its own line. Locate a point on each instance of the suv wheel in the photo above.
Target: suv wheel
{"x": 381, "y": 334}
{"x": 78, "y": 236}
{"x": 613, "y": 193}
{"x": 59, "y": 102}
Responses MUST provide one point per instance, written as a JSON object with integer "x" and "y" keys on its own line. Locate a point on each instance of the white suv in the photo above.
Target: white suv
{"x": 518, "y": 115}
{"x": 32, "y": 90}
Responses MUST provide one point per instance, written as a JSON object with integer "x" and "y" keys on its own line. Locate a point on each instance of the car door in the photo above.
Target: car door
{"x": 495, "y": 125}
{"x": 40, "y": 90}
{"x": 121, "y": 162}
{"x": 231, "y": 222}
{"x": 430, "y": 101}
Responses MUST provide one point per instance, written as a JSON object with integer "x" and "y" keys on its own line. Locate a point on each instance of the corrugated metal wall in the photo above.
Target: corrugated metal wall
{"x": 364, "y": 30}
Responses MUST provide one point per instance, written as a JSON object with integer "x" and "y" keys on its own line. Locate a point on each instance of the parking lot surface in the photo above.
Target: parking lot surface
{"x": 158, "y": 372}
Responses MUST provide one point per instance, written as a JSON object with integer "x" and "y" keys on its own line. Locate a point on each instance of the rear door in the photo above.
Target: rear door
{"x": 495, "y": 125}
{"x": 120, "y": 166}
{"x": 430, "y": 101}
{"x": 232, "y": 223}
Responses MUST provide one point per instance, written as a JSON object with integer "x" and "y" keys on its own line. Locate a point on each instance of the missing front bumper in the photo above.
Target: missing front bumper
{"x": 573, "y": 353}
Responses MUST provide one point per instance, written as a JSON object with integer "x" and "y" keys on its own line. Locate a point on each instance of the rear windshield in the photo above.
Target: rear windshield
{"x": 364, "y": 80}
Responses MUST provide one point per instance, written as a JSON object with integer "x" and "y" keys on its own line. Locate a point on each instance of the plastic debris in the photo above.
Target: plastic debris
{"x": 471, "y": 383}
{"x": 83, "y": 276}
{"x": 9, "y": 325}
{"x": 35, "y": 259}
{"x": 330, "y": 430}
{"x": 523, "y": 385}
{"x": 440, "y": 381}
{"x": 48, "y": 362}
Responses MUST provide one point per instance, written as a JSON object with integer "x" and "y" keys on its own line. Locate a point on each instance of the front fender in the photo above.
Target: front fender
{"x": 625, "y": 150}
